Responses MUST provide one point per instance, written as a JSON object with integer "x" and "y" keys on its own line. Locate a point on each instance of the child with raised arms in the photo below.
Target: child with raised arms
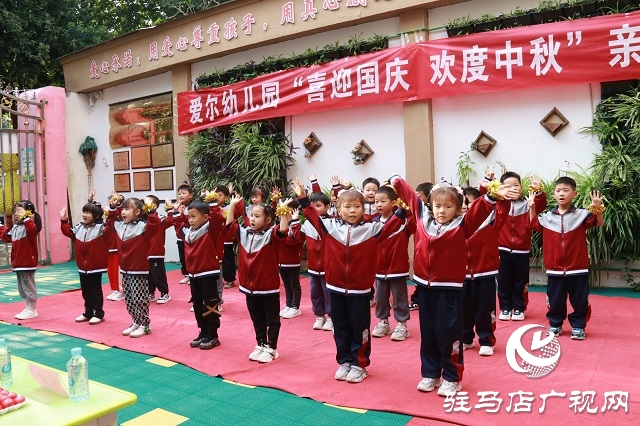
{"x": 440, "y": 264}
{"x": 201, "y": 233}
{"x": 157, "y": 270}
{"x": 393, "y": 269}
{"x": 566, "y": 255}
{"x": 135, "y": 227}
{"x": 23, "y": 237}
{"x": 258, "y": 241}
{"x": 350, "y": 248}
{"x": 91, "y": 239}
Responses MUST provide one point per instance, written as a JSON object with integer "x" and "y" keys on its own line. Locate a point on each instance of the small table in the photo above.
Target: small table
{"x": 45, "y": 407}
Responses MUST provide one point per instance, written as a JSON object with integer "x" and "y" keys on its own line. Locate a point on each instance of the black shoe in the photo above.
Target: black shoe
{"x": 195, "y": 343}
{"x": 208, "y": 343}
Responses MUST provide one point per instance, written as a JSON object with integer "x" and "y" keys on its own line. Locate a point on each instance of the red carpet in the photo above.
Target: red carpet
{"x": 604, "y": 362}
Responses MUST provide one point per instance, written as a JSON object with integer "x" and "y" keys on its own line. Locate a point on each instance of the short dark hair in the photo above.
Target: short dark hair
{"x": 95, "y": 209}
{"x": 389, "y": 191}
{"x": 566, "y": 180}
{"x": 372, "y": 180}
{"x": 258, "y": 190}
{"x": 199, "y": 205}
{"x": 154, "y": 199}
{"x": 320, "y": 196}
{"x": 424, "y": 187}
{"x": 508, "y": 175}
{"x": 472, "y": 191}
{"x": 185, "y": 186}
{"x": 223, "y": 189}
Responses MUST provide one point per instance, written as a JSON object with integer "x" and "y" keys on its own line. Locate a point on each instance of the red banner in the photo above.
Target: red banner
{"x": 597, "y": 49}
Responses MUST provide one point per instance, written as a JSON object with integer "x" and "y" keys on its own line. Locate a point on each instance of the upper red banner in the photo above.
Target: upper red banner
{"x": 597, "y": 49}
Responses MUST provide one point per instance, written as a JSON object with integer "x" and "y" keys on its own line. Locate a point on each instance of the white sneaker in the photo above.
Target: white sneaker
{"x": 517, "y": 315}
{"x": 152, "y": 298}
{"x": 82, "y": 318}
{"x": 466, "y": 346}
{"x": 111, "y": 296}
{"x": 140, "y": 331}
{"x": 328, "y": 325}
{"x": 163, "y": 299}
{"x": 21, "y": 313}
{"x": 191, "y": 309}
{"x": 292, "y": 313}
{"x": 372, "y": 302}
{"x": 343, "y": 371}
{"x": 284, "y": 310}
{"x": 486, "y": 350}
{"x": 319, "y": 323}
{"x": 27, "y": 314}
{"x": 131, "y": 329}
{"x": 117, "y": 296}
{"x": 253, "y": 356}
{"x": 382, "y": 329}
{"x": 449, "y": 388}
{"x": 400, "y": 333}
{"x": 356, "y": 374}
{"x": 95, "y": 320}
{"x": 505, "y": 315}
{"x": 185, "y": 280}
{"x": 268, "y": 355}
{"x": 427, "y": 384}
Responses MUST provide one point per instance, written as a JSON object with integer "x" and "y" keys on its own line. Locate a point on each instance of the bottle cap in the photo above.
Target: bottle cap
{"x": 2, "y": 342}
{"x": 76, "y": 351}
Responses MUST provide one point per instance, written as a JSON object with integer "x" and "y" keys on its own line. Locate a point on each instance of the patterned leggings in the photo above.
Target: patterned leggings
{"x": 136, "y": 297}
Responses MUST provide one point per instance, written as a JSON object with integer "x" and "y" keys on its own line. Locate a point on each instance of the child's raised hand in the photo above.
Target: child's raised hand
{"x": 335, "y": 180}
{"x": 531, "y": 199}
{"x": 92, "y": 194}
{"x": 63, "y": 214}
{"x": 235, "y": 199}
{"x": 295, "y": 214}
{"x": 181, "y": 208}
{"x": 312, "y": 177}
{"x": 345, "y": 183}
{"x": 508, "y": 193}
{"x": 298, "y": 188}
{"x": 596, "y": 198}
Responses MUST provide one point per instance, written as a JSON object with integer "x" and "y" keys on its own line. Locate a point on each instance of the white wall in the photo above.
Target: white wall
{"x": 99, "y": 124}
{"x": 513, "y": 119}
{"x": 381, "y": 126}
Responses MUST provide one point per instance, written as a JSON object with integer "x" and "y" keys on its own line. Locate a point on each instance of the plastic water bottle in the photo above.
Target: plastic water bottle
{"x": 6, "y": 375}
{"x": 78, "y": 374}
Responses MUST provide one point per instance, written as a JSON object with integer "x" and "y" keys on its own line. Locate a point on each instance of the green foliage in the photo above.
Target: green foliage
{"x": 465, "y": 167}
{"x": 243, "y": 154}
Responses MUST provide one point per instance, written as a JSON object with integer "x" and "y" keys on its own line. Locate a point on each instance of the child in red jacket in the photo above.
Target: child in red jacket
{"x": 393, "y": 269}
{"x": 91, "y": 239}
{"x": 258, "y": 242}
{"x": 350, "y": 249}
{"x": 289, "y": 255}
{"x": 24, "y": 253}
{"x": 440, "y": 264}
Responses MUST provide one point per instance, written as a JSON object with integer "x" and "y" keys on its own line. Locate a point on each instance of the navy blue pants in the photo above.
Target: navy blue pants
{"x": 229, "y": 264}
{"x": 577, "y": 288}
{"x": 513, "y": 281}
{"x": 263, "y": 311}
{"x": 351, "y": 317}
{"x": 479, "y": 311}
{"x": 204, "y": 294}
{"x": 440, "y": 312}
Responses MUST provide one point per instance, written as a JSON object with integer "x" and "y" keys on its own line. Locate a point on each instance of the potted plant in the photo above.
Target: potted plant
{"x": 516, "y": 18}
{"x": 610, "y": 7}
{"x": 331, "y": 52}
{"x": 547, "y": 11}
{"x": 575, "y": 9}
{"x": 460, "y": 26}
{"x": 487, "y": 23}
{"x": 354, "y": 44}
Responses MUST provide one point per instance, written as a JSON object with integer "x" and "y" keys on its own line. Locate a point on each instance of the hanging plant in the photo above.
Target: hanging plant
{"x": 89, "y": 150}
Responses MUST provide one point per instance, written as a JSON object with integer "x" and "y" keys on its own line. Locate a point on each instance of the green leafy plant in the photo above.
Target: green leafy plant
{"x": 465, "y": 167}
{"x": 243, "y": 154}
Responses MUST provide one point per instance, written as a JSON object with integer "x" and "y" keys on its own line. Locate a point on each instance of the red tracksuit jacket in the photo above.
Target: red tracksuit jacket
{"x": 24, "y": 244}
{"x": 91, "y": 243}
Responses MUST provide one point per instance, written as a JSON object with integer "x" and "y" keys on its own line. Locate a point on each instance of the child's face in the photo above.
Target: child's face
{"x": 221, "y": 197}
{"x": 17, "y": 214}
{"x": 256, "y": 199}
{"x": 423, "y": 197}
{"x": 320, "y": 208}
{"x": 258, "y": 220}
{"x": 196, "y": 219}
{"x": 87, "y": 218}
{"x": 513, "y": 182}
{"x": 129, "y": 213}
{"x": 369, "y": 192}
{"x": 471, "y": 199}
{"x": 351, "y": 211}
{"x": 445, "y": 209}
{"x": 184, "y": 196}
{"x": 384, "y": 205}
{"x": 564, "y": 195}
